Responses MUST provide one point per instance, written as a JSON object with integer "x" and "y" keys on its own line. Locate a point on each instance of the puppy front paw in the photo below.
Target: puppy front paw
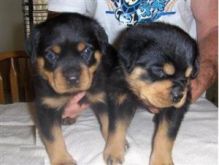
{"x": 113, "y": 157}
{"x": 63, "y": 160}
{"x": 114, "y": 153}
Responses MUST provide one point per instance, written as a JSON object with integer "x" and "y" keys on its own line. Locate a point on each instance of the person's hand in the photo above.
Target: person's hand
{"x": 74, "y": 108}
{"x": 206, "y": 77}
{"x": 197, "y": 89}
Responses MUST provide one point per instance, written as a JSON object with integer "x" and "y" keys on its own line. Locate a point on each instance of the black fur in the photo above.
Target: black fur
{"x": 67, "y": 31}
{"x": 150, "y": 47}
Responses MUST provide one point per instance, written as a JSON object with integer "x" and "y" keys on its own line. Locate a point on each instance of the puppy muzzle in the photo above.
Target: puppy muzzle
{"x": 176, "y": 94}
{"x": 72, "y": 76}
{"x": 178, "y": 90}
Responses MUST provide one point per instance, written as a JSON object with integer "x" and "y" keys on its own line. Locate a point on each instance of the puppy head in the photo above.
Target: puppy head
{"x": 67, "y": 51}
{"x": 159, "y": 60}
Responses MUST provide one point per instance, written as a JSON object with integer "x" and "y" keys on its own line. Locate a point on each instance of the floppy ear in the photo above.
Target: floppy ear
{"x": 31, "y": 44}
{"x": 101, "y": 36}
{"x": 129, "y": 52}
{"x": 127, "y": 59}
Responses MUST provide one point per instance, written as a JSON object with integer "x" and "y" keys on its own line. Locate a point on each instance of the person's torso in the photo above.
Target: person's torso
{"x": 115, "y": 15}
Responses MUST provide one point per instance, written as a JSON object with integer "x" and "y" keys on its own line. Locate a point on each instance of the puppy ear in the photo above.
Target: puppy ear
{"x": 127, "y": 60}
{"x": 101, "y": 36}
{"x": 129, "y": 52}
{"x": 31, "y": 44}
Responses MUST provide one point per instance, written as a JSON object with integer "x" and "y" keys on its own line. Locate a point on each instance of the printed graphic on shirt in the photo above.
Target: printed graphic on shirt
{"x": 131, "y": 12}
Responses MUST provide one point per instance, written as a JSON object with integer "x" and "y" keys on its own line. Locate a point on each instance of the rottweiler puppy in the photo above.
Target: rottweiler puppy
{"x": 158, "y": 61}
{"x": 70, "y": 55}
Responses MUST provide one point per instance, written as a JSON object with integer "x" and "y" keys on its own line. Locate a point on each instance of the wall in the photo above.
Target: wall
{"x": 11, "y": 25}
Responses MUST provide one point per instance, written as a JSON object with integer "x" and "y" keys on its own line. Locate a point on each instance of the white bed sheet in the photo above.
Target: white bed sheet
{"x": 196, "y": 143}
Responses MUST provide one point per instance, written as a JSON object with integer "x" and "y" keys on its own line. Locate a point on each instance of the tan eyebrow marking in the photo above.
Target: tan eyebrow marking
{"x": 169, "y": 69}
{"x": 81, "y": 46}
{"x": 57, "y": 49}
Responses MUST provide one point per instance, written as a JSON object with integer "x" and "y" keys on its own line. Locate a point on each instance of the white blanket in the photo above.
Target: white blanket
{"x": 196, "y": 143}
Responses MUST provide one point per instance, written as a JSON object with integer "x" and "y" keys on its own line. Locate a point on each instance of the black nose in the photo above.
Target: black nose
{"x": 176, "y": 94}
{"x": 72, "y": 77}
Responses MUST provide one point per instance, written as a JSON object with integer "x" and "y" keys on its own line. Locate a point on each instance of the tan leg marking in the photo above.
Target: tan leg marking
{"x": 162, "y": 147}
{"x": 56, "y": 149}
{"x": 115, "y": 148}
{"x": 104, "y": 120}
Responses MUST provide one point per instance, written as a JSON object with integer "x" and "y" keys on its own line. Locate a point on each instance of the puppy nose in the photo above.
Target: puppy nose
{"x": 72, "y": 78}
{"x": 176, "y": 94}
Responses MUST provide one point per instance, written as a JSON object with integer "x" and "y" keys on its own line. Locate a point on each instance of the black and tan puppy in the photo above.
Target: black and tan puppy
{"x": 158, "y": 62}
{"x": 69, "y": 53}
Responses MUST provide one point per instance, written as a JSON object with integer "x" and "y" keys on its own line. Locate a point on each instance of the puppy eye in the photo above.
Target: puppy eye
{"x": 158, "y": 71}
{"x": 87, "y": 53}
{"x": 51, "y": 57}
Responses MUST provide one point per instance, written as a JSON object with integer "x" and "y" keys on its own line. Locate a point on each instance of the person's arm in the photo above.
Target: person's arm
{"x": 205, "y": 13}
